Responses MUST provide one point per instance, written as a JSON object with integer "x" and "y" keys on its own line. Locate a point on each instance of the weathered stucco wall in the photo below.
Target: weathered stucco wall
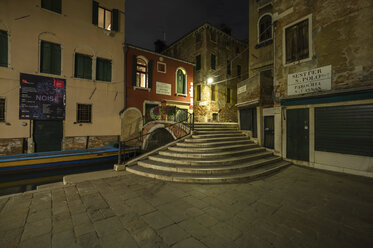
{"x": 341, "y": 36}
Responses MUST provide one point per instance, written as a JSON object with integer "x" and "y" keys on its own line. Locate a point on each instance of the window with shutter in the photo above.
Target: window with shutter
{"x": 3, "y": 48}
{"x": 180, "y": 81}
{"x": 213, "y": 61}
{"x": 297, "y": 42}
{"x": 105, "y": 18}
{"x": 83, "y": 66}
{"x": 265, "y": 28}
{"x": 198, "y": 62}
{"x": 103, "y": 69}
{"x": 2, "y": 109}
{"x": 50, "y": 58}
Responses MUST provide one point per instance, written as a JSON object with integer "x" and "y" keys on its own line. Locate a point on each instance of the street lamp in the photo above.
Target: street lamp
{"x": 210, "y": 80}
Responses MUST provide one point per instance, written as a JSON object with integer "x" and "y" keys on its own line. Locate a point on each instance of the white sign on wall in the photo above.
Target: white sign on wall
{"x": 319, "y": 79}
{"x": 242, "y": 89}
{"x": 163, "y": 89}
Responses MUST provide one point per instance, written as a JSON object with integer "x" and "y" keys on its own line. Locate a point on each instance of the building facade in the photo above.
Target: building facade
{"x": 221, "y": 62}
{"x": 322, "y": 91}
{"x": 61, "y": 74}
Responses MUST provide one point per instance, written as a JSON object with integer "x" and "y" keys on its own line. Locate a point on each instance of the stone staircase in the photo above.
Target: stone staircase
{"x": 215, "y": 153}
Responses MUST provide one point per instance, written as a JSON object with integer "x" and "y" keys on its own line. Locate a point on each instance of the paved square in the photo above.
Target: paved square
{"x": 297, "y": 207}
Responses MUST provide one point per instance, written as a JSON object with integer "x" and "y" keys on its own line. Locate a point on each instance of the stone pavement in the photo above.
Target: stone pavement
{"x": 297, "y": 207}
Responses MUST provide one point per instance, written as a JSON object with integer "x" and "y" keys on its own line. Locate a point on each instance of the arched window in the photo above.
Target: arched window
{"x": 265, "y": 28}
{"x": 141, "y": 73}
{"x": 181, "y": 81}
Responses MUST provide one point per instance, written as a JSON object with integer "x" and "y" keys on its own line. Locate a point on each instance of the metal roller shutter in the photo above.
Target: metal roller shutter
{"x": 345, "y": 129}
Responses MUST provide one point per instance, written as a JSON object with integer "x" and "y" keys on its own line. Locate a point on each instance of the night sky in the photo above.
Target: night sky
{"x": 146, "y": 20}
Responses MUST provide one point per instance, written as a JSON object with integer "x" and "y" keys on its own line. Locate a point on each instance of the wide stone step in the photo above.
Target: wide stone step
{"x": 233, "y": 146}
{"x": 215, "y": 143}
{"x": 155, "y": 165}
{"x": 203, "y": 155}
{"x": 208, "y": 178}
{"x": 215, "y": 129}
{"x": 209, "y": 161}
{"x": 217, "y": 132}
{"x": 218, "y": 135}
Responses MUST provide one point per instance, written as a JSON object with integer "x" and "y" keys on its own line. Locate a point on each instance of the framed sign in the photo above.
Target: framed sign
{"x": 41, "y": 98}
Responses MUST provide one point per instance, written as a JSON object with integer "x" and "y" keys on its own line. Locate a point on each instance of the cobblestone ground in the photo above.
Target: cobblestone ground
{"x": 297, "y": 207}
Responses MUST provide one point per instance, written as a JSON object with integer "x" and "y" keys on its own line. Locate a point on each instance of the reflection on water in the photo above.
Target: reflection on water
{"x": 22, "y": 182}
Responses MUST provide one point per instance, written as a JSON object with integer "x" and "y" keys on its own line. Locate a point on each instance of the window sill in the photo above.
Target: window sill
{"x": 51, "y": 11}
{"x": 264, "y": 43}
{"x": 85, "y": 79}
{"x": 50, "y": 74}
{"x": 100, "y": 81}
{"x": 180, "y": 94}
{"x": 141, "y": 88}
{"x": 297, "y": 62}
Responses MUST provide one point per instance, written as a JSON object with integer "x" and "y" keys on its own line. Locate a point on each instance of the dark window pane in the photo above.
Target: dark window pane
{"x": 2, "y": 109}
{"x": 213, "y": 61}
{"x": 228, "y": 67}
{"x": 180, "y": 81}
{"x": 52, "y": 5}
{"x": 265, "y": 28}
{"x": 50, "y": 58}
{"x": 3, "y": 48}
{"x": 198, "y": 62}
{"x": 238, "y": 70}
{"x": 103, "y": 70}
{"x": 83, "y": 66}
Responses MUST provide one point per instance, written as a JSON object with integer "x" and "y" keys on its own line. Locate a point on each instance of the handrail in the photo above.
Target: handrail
{"x": 189, "y": 117}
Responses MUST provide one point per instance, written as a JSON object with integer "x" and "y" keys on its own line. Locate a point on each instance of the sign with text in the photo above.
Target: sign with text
{"x": 319, "y": 79}
{"x": 41, "y": 98}
{"x": 163, "y": 89}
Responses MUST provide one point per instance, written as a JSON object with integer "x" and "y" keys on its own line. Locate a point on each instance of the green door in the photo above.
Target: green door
{"x": 47, "y": 135}
{"x": 297, "y": 134}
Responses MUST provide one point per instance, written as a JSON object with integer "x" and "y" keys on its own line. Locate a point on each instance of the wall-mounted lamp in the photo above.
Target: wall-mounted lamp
{"x": 210, "y": 80}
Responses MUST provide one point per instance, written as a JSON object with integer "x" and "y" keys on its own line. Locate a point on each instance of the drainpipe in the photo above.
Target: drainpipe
{"x": 124, "y": 62}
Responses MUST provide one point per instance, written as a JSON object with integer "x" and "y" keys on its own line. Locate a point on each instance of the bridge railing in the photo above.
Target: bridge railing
{"x": 186, "y": 123}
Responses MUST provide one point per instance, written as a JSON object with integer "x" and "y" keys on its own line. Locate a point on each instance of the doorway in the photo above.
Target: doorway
{"x": 47, "y": 135}
{"x": 269, "y": 132}
{"x": 297, "y": 134}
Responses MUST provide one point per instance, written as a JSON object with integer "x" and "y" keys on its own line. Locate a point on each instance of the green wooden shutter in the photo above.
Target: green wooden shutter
{"x": 87, "y": 67}
{"x": 45, "y": 57}
{"x": 99, "y": 75}
{"x": 3, "y": 48}
{"x": 134, "y": 69}
{"x": 94, "y": 13}
{"x": 115, "y": 20}
{"x": 150, "y": 73}
{"x": 56, "y": 59}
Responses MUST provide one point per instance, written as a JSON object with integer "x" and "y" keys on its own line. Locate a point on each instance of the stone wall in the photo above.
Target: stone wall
{"x": 80, "y": 142}
{"x": 11, "y": 146}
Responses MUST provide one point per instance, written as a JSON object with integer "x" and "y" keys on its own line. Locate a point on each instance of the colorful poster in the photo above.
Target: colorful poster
{"x": 41, "y": 98}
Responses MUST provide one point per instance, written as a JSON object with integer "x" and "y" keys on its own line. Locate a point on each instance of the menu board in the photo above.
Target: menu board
{"x": 41, "y": 98}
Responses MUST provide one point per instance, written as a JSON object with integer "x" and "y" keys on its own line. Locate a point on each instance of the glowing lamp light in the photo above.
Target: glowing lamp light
{"x": 210, "y": 80}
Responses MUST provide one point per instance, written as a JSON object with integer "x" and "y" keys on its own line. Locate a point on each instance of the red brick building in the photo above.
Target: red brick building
{"x": 154, "y": 79}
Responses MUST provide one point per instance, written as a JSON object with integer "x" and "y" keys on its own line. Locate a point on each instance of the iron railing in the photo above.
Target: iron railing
{"x": 186, "y": 124}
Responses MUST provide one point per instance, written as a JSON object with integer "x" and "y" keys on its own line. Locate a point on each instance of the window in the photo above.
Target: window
{"x": 103, "y": 69}
{"x": 198, "y": 37}
{"x": 161, "y": 67}
{"x": 297, "y": 41}
{"x": 83, "y": 66}
{"x": 213, "y": 36}
{"x": 2, "y": 109}
{"x": 181, "y": 81}
{"x": 213, "y": 93}
{"x": 198, "y": 92}
{"x": 228, "y": 67}
{"x": 228, "y": 95}
{"x": 52, "y": 5}
{"x": 198, "y": 62}
{"x": 50, "y": 58}
{"x": 105, "y": 18}
{"x": 213, "y": 62}
{"x": 141, "y": 73}
{"x": 84, "y": 113}
{"x": 3, "y": 48}
{"x": 265, "y": 28}
{"x": 239, "y": 71}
